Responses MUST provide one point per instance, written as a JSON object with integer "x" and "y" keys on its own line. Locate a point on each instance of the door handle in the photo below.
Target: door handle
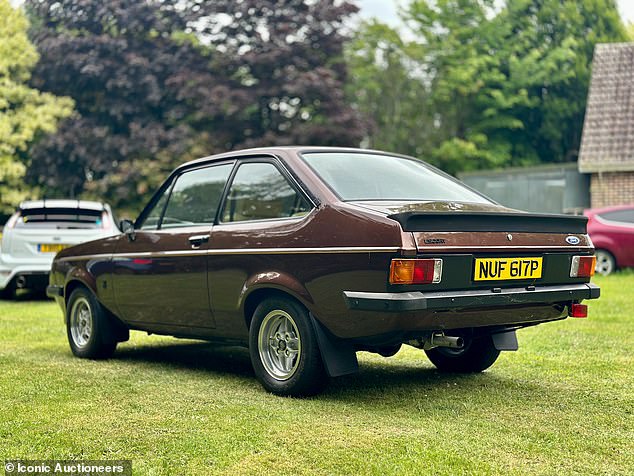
{"x": 197, "y": 240}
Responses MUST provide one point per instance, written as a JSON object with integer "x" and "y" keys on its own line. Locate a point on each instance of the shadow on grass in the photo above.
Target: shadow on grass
{"x": 374, "y": 380}
{"x": 27, "y": 295}
{"x": 191, "y": 355}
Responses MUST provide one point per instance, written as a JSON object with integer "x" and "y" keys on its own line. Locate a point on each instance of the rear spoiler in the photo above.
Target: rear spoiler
{"x": 62, "y": 203}
{"x": 487, "y": 221}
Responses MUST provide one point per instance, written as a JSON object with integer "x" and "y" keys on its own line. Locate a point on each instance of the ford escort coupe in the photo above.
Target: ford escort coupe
{"x": 309, "y": 255}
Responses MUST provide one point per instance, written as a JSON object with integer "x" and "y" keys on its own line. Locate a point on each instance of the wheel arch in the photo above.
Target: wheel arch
{"x": 256, "y": 295}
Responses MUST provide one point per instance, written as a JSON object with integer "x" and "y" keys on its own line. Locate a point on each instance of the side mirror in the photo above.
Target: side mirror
{"x": 127, "y": 227}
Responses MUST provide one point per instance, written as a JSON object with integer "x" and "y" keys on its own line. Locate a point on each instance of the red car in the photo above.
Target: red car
{"x": 612, "y": 231}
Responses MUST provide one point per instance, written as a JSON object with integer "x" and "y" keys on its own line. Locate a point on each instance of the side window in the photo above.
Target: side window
{"x": 196, "y": 196}
{"x": 259, "y": 191}
{"x": 153, "y": 218}
{"x": 623, "y": 216}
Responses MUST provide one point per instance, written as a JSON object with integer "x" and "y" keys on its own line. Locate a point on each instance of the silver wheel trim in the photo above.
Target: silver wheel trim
{"x": 81, "y": 322}
{"x": 279, "y": 345}
{"x": 605, "y": 263}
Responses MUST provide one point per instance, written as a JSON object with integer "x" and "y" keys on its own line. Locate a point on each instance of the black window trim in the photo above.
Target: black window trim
{"x": 282, "y": 169}
{"x": 168, "y": 186}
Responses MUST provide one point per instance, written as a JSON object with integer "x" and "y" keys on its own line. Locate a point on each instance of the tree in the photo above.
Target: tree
{"x": 496, "y": 84}
{"x": 25, "y": 113}
{"x": 160, "y": 82}
{"x": 141, "y": 86}
{"x": 288, "y": 59}
{"x": 510, "y": 85}
{"x": 385, "y": 87}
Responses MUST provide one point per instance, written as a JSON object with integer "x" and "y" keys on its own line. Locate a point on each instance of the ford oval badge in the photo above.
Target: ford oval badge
{"x": 572, "y": 240}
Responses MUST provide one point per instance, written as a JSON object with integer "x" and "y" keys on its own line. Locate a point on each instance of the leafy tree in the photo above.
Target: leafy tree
{"x": 160, "y": 82}
{"x": 497, "y": 84}
{"x": 385, "y": 87}
{"x": 25, "y": 113}
{"x": 288, "y": 59}
{"x": 510, "y": 85}
{"x": 141, "y": 86}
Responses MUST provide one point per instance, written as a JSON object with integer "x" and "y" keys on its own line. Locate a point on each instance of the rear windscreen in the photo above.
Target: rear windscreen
{"x": 59, "y": 218}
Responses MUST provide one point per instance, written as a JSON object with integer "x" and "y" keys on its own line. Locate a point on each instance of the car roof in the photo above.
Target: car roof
{"x": 44, "y": 203}
{"x": 275, "y": 150}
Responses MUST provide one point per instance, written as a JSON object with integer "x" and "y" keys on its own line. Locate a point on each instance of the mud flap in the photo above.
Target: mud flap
{"x": 505, "y": 340}
{"x": 338, "y": 355}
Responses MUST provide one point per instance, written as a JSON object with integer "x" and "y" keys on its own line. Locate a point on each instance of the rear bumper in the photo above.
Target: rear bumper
{"x": 33, "y": 269}
{"x": 467, "y": 300}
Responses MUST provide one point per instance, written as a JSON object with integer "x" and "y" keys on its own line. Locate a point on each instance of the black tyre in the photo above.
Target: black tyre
{"x": 90, "y": 332}
{"x": 284, "y": 349}
{"x": 8, "y": 292}
{"x": 477, "y": 354}
{"x": 606, "y": 264}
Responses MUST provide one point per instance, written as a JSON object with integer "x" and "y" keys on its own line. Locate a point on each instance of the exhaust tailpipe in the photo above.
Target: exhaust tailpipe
{"x": 20, "y": 282}
{"x": 441, "y": 340}
{"x": 437, "y": 339}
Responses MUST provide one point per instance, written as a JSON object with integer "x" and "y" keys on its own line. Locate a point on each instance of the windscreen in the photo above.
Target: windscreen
{"x": 59, "y": 218}
{"x": 364, "y": 177}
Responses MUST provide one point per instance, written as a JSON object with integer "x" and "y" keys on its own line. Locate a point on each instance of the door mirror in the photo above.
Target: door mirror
{"x": 127, "y": 227}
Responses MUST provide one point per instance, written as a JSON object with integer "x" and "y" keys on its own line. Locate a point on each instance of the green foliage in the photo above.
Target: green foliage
{"x": 384, "y": 86}
{"x": 25, "y": 113}
{"x": 496, "y": 84}
{"x": 630, "y": 31}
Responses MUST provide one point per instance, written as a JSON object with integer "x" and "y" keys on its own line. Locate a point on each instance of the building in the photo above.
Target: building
{"x": 607, "y": 144}
{"x": 552, "y": 188}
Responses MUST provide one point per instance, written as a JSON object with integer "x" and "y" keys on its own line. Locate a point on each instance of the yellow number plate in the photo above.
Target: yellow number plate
{"x": 498, "y": 269}
{"x": 54, "y": 248}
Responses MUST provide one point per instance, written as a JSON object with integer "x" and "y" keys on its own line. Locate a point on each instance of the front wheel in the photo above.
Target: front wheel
{"x": 284, "y": 349}
{"x": 89, "y": 330}
{"x": 476, "y": 355}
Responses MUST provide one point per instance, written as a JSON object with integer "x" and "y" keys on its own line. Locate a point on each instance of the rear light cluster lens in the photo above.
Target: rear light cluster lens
{"x": 583, "y": 266}
{"x": 578, "y": 310}
{"x": 415, "y": 271}
{"x": 12, "y": 221}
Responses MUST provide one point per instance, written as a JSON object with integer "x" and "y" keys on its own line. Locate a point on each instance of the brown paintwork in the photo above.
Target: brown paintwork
{"x": 207, "y": 292}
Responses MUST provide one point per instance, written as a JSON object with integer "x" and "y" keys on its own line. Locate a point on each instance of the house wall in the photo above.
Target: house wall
{"x": 611, "y": 188}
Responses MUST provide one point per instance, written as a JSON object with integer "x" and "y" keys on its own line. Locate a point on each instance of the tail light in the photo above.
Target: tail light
{"x": 583, "y": 266}
{"x": 415, "y": 271}
{"x": 105, "y": 221}
{"x": 12, "y": 221}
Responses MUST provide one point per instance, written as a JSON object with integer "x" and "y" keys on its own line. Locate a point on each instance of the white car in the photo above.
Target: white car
{"x": 38, "y": 230}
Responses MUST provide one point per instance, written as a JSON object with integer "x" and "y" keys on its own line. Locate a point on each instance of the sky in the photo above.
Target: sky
{"x": 386, "y": 10}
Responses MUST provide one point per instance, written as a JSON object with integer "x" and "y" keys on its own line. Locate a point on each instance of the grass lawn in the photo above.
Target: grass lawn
{"x": 563, "y": 404}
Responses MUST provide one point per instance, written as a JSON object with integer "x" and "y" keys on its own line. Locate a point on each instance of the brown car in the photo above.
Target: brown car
{"x": 308, "y": 255}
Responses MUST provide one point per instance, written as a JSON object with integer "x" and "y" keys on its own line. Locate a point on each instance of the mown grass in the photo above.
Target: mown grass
{"x": 562, "y": 405}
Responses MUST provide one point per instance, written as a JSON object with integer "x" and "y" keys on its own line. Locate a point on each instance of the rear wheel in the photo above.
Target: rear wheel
{"x": 606, "y": 263}
{"x": 284, "y": 350}
{"x": 90, "y": 332}
{"x": 476, "y": 355}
